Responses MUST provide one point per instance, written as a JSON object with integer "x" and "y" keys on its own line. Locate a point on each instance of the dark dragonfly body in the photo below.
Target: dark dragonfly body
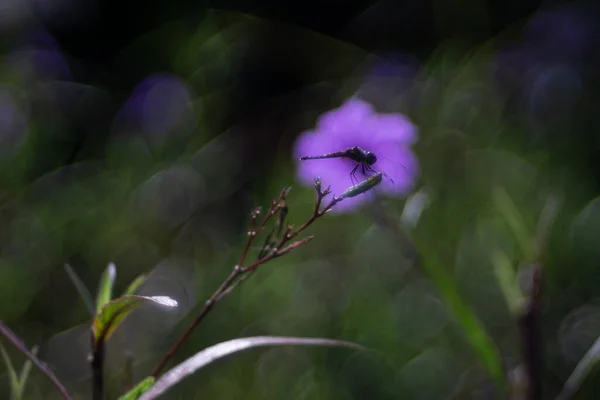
{"x": 364, "y": 159}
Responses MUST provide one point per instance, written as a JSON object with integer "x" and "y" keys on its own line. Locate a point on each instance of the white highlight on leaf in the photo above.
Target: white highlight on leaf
{"x": 164, "y": 300}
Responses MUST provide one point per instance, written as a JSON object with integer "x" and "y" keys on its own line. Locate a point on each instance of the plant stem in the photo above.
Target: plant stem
{"x": 18, "y": 343}
{"x": 97, "y": 364}
{"x": 240, "y": 273}
{"x": 531, "y": 341}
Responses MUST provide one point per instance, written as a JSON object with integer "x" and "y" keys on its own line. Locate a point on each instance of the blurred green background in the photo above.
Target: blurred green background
{"x": 149, "y": 146}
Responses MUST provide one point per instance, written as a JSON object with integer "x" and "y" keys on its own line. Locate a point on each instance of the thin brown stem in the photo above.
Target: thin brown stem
{"x": 18, "y": 343}
{"x": 208, "y": 305}
{"x": 249, "y": 270}
{"x": 276, "y": 254}
{"x": 252, "y": 232}
{"x": 237, "y": 283}
{"x": 316, "y": 215}
{"x": 241, "y": 273}
{"x": 233, "y": 276}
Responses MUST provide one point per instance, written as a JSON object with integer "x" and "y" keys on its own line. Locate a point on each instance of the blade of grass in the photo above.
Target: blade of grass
{"x": 478, "y": 338}
{"x": 508, "y": 282}
{"x": 12, "y": 373}
{"x": 139, "y": 389}
{"x": 581, "y": 372}
{"x": 83, "y": 291}
{"x": 105, "y": 287}
{"x": 135, "y": 284}
{"x": 220, "y": 350}
{"x": 513, "y": 217}
{"x": 547, "y": 218}
{"x": 26, "y": 370}
{"x": 14, "y": 339}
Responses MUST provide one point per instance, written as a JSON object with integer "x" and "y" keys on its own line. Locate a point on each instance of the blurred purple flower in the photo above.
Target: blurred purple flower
{"x": 562, "y": 34}
{"x": 565, "y": 35}
{"x": 356, "y": 123}
{"x": 390, "y": 82}
{"x": 13, "y": 123}
{"x": 544, "y": 74}
{"x": 38, "y": 57}
{"x": 160, "y": 106}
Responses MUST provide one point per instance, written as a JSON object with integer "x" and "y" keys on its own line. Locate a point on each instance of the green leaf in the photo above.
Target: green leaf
{"x": 14, "y": 380}
{"x": 220, "y": 350}
{"x": 139, "y": 389}
{"x": 105, "y": 287}
{"x": 27, "y": 369}
{"x": 135, "y": 284}
{"x": 84, "y": 293}
{"x": 547, "y": 218}
{"x": 18, "y": 343}
{"x": 581, "y": 372}
{"x": 17, "y": 384}
{"x": 114, "y": 312}
{"x": 488, "y": 168}
{"x": 478, "y": 338}
{"x": 585, "y": 229}
{"x": 508, "y": 282}
{"x": 513, "y": 217}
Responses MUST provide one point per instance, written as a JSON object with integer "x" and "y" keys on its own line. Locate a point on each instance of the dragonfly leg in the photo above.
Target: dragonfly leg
{"x": 374, "y": 171}
{"x": 364, "y": 168}
{"x": 353, "y": 174}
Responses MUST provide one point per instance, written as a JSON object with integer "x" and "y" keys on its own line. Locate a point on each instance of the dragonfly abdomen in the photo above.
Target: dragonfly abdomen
{"x": 337, "y": 154}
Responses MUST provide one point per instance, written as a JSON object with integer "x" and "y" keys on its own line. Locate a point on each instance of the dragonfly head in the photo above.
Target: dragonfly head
{"x": 370, "y": 158}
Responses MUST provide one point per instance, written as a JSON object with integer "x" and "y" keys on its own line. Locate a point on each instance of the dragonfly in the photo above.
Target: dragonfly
{"x": 364, "y": 161}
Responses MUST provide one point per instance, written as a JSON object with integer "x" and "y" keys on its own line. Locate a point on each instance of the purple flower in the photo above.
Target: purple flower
{"x": 356, "y": 123}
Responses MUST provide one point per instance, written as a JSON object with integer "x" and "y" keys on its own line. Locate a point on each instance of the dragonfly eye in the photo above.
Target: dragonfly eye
{"x": 370, "y": 158}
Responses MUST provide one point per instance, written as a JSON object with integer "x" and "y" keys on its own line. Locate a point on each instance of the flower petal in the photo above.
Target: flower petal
{"x": 402, "y": 171}
{"x": 350, "y": 204}
{"x": 315, "y": 143}
{"x": 355, "y": 123}
{"x": 388, "y": 127}
{"x": 345, "y": 118}
{"x": 332, "y": 173}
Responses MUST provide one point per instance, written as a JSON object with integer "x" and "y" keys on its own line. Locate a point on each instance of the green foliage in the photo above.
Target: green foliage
{"x": 139, "y": 389}
{"x": 17, "y": 382}
{"x": 220, "y": 350}
{"x": 115, "y": 311}
{"x": 582, "y": 371}
{"x": 105, "y": 287}
{"x": 135, "y": 284}
{"x": 441, "y": 302}
{"x": 84, "y": 293}
{"x": 478, "y": 338}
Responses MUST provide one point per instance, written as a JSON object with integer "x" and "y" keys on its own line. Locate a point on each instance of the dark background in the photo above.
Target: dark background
{"x": 98, "y": 34}
{"x": 282, "y": 80}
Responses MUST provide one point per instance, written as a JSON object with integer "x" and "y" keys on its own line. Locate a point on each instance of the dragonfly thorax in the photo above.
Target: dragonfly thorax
{"x": 370, "y": 158}
{"x": 360, "y": 155}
